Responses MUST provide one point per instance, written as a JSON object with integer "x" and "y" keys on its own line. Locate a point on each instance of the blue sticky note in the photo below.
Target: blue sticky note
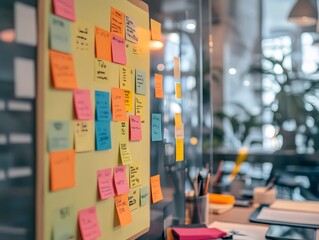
{"x": 102, "y": 103}
{"x": 103, "y": 135}
{"x": 156, "y": 127}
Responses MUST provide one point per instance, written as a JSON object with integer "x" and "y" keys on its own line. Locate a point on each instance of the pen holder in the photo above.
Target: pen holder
{"x": 264, "y": 196}
{"x": 197, "y": 210}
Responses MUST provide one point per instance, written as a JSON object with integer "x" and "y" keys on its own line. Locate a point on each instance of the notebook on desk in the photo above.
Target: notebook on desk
{"x": 289, "y": 205}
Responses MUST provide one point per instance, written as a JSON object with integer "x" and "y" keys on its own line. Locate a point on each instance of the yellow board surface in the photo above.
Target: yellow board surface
{"x": 56, "y": 105}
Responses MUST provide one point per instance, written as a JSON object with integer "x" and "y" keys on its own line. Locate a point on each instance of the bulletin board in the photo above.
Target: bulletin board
{"x": 57, "y": 105}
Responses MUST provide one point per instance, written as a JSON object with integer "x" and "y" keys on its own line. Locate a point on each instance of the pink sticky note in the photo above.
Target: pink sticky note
{"x": 105, "y": 182}
{"x": 135, "y": 128}
{"x": 120, "y": 180}
{"x": 89, "y": 225}
{"x": 64, "y": 8}
{"x": 82, "y": 103}
{"x": 118, "y": 50}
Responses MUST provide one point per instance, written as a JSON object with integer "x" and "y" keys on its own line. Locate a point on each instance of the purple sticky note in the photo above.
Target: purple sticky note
{"x": 120, "y": 180}
{"x": 118, "y": 50}
{"x": 105, "y": 183}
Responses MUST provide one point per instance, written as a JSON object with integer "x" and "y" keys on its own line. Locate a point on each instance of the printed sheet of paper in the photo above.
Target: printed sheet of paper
{"x": 144, "y": 196}
{"x": 178, "y": 90}
{"x": 177, "y": 67}
{"x": 118, "y": 105}
{"x": 131, "y": 33}
{"x": 159, "y": 92}
{"x": 179, "y": 150}
{"x": 82, "y": 104}
{"x": 62, "y": 70}
{"x": 82, "y": 37}
{"x": 64, "y": 223}
{"x": 64, "y": 8}
{"x": 89, "y": 224}
{"x": 24, "y": 78}
{"x": 117, "y": 22}
{"x": 123, "y": 209}
{"x": 126, "y": 77}
{"x": 157, "y": 127}
{"x": 156, "y": 189}
{"x": 134, "y": 199}
{"x": 62, "y": 170}
{"x": 101, "y": 70}
{"x": 178, "y": 119}
{"x": 140, "y": 106}
{"x": 60, "y": 34}
{"x": 125, "y": 152}
{"x": 105, "y": 183}
{"x": 103, "y": 135}
{"x": 83, "y": 136}
{"x": 59, "y": 136}
{"x": 118, "y": 50}
{"x": 140, "y": 82}
{"x": 128, "y": 95}
{"x": 179, "y": 132}
{"x": 102, "y": 44}
{"x": 102, "y": 104}
{"x": 135, "y": 175}
{"x": 120, "y": 180}
{"x": 124, "y": 131}
{"x": 156, "y": 32}
{"x": 25, "y": 24}
{"x": 135, "y": 128}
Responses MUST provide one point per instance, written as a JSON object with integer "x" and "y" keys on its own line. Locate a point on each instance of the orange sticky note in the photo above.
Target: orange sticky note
{"x": 62, "y": 170}
{"x": 62, "y": 70}
{"x": 118, "y": 105}
{"x": 102, "y": 44}
{"x": 178, "y": 90}
{"x": 178, "y": 120}
{"x": 117, "y": 22}
{"x": 159, "y": 93}
{"x": 156, "y": 189}
{"x": 156, "y": 32}
{"x": 123, "y": 209}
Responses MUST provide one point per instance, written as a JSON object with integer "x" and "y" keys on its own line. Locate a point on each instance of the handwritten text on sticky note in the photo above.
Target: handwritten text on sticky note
{"x": 131, "y": 33}
{"x": 103, "y": 135}
{"x": 128, "y": 95}
{"x": 126, "y": 76}
{"x": 120, "y": 180}
{"x": 134, "y": 199}
{"x": 102, "y": 44}
{"x": 83, "y": 136}
{"x": 117, "y": 22}
{"x": 140, "y": 104}
{"x": 82, "y": 103}
{"x": 89, "y": 225}
{"x": 123, "y": 209}
{"x": 118, "y": 50}
{"x": 124, "y": 131}
{"x": 125, "y": 152}
{"x": 105, "y": 182}
{"x": 102, "y": 103}
{"x": 82, "y": 37}
{"x": 60, "y": 34}
{"x": 62, "y": 69}
{"x": 135, "y": 175}
{"x": 135, "y": 128}
{"x": 59, "y": 136}
{"x": 156, "y": 189}
{"x": 118, "y": 105}
{"x": 62, "y": 169}
{"x": 64, "y": 8}
{"x": 156, "y": 127}
{"x": 159, "y": 92}
{"x": 144, "y": 196}
{"x": 64, "y": 223}
{"x": 101, "y": 71}
{"x": 140, "y": 82}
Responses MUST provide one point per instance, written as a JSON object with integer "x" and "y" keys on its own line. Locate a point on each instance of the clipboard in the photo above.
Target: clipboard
{"x": 256, "y": 213}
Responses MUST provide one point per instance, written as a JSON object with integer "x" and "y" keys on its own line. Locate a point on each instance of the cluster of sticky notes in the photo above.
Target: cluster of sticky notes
{"x": 179, "y": 137}
{"x": 156, "y": 189}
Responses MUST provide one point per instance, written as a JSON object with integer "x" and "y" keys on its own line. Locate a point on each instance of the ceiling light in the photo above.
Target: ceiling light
{"x": 303, "y": 14}
{"x": 232, "y": 71}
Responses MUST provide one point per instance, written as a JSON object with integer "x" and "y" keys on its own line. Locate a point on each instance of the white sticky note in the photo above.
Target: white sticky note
{"x": 25, "y": 24}
{"x": 24, "y": 78}
{"x": 19, "y": 106}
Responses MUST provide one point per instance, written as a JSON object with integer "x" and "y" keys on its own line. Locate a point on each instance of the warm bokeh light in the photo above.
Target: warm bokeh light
{"x": 7, "y": 35}
{"x": 156, "y": 45}
{"x": 161, "y": 67}
{"x": 193, "y": 140}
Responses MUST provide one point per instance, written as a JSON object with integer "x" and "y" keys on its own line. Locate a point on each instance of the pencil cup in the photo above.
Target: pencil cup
{"x": 264, "y": 196}
{"x": 197, "y": 210}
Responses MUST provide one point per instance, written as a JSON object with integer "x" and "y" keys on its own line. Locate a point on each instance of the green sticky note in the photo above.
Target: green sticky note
{"x": 64, "y": 224}
{"x": 59, "y": 136}
{"x": 60, "y": 34}
{"x": 144, "y": 196}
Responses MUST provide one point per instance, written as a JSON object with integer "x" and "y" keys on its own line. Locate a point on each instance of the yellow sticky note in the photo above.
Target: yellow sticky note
{"x": 159, "y": 92}
{"x": 83, "y": 38}
{"x": 134, "y": 199}
{"x": 178, "y": 119}
{"x": 126, "y": 77}
{"x": 179, "y": 150}
{"x": 101, "y": 70}
{"x": 156, "y": 189}
{"x": 156, "y": 32}
{"x": 140, "y": 110}
{"x": 177, "y": 67}
{"x": 83, "y": 136}
{"x": 125, "y": 153}
{"x": 178, "y": 90}
{"x": 128, "y": 97}
{"x": 123, "y": 131}
{"x": 123, "y": 209}
{"x": 135, "y": 175}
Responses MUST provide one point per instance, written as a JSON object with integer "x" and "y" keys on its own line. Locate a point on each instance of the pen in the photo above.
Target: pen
{"x": 218, "y": 173}
{"x": 271, "y": 184}
{"x": 207, "y": 183}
